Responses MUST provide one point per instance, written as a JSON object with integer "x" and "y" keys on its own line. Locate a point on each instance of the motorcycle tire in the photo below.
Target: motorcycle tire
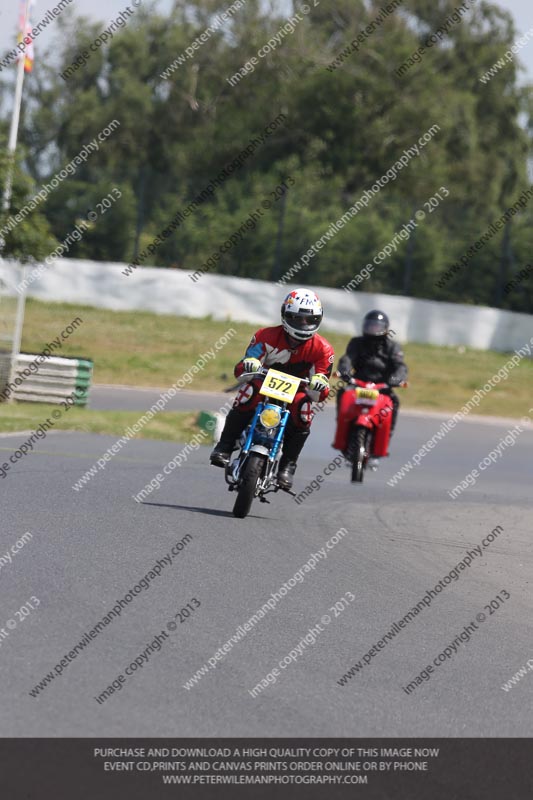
{"x": 252, "y": 471}
{"x": 359, "y": 448}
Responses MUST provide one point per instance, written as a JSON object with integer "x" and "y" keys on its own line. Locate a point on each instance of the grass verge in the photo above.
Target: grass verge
{"x": 173, "y": 426}
{"x": 138, "y": 348}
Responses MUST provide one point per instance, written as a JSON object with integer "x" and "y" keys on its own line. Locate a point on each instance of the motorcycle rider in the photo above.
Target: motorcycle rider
{"x": 375, "y": 357}
{"x": 293, "y": 347}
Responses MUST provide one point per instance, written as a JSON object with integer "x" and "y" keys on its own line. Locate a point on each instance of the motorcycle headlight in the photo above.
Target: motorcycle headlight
{"x": 270, "y": 417}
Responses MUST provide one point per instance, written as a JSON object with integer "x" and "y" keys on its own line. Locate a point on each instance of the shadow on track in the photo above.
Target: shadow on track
{"x": 214, "y": 512}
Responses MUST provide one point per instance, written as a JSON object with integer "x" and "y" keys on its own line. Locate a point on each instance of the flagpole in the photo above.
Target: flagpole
{"x": 13, "y": 131}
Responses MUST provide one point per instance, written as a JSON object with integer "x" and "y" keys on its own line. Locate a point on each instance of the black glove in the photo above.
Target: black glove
{"x": 395, "y": 381}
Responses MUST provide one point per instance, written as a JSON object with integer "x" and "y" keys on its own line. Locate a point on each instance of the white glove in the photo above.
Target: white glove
{"x": 251, "y": 365}
{"x": 318, "y": 383}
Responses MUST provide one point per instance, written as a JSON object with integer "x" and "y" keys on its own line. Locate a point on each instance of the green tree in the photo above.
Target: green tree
{"x": 180, "y": 124}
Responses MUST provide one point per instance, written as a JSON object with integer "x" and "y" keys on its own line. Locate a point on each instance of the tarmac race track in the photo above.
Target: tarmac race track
{"x": 90, "y": 548}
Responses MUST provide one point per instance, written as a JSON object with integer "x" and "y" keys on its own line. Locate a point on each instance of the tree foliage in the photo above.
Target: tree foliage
{"x": 344, "y": 128}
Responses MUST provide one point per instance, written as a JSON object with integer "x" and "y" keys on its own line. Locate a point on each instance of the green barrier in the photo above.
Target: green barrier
{"x": 56, "y": 378}
{"x": 206, "y": 421}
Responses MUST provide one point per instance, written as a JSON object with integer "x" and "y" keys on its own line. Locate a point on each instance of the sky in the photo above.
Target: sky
{"x": 522, "y": 11}
{"x": 107, "y": 10}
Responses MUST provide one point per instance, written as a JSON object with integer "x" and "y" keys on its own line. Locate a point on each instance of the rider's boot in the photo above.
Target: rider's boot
{"x": 236, "y": 422}
{"x": 292, "y": 447}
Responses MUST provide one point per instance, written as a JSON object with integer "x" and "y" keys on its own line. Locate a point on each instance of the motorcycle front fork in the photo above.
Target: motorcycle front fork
{"x": 233, "y": 475}
{"x": 369, "y": 444}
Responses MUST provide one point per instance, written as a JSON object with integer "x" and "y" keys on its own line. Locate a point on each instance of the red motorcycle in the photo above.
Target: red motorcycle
{"x": 364, "y": 424}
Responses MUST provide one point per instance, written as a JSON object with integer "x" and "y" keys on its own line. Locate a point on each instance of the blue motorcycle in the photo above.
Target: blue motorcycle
{"x": 253, "y": 473}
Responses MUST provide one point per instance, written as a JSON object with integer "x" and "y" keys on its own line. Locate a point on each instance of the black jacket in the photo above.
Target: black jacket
{"x": 376, "y": 359}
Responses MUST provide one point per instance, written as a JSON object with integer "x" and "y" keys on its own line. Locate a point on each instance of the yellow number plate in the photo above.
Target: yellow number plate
{"x": 367, "y": 394}
{"x": 280, "y": 386}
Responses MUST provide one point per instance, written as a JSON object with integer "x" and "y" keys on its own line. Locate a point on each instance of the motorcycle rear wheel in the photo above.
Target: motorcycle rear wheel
{"x": 359, "y": 448}
{"x": 252, "y": 472}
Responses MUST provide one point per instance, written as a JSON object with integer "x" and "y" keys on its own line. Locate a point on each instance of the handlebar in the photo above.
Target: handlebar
{"x": 370, "y": 384}
{"x": 246, "y": 376}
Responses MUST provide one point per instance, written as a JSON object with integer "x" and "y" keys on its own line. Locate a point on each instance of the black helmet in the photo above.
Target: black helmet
{"x": 376, "y": 323}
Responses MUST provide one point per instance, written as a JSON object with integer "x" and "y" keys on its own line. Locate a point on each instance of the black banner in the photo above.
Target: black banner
{"x": 374, "y": 769}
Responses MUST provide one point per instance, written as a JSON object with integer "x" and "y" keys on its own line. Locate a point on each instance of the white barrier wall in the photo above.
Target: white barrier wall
{"x": 171, "y": 291}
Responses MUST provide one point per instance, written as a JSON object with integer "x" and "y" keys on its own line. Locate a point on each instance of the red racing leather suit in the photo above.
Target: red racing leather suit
{"x": 271, "y": 347}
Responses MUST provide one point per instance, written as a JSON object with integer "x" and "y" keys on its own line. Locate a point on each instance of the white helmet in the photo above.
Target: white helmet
{"x": 301, "y": 314}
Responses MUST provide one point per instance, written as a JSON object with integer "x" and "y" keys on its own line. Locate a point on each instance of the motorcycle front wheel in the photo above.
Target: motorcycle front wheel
{"x": 252, "y": 472}
{"x": 359, "y": 448}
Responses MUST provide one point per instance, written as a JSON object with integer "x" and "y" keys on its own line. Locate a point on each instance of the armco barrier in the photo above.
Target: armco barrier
{"x": 53, "y": 380}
